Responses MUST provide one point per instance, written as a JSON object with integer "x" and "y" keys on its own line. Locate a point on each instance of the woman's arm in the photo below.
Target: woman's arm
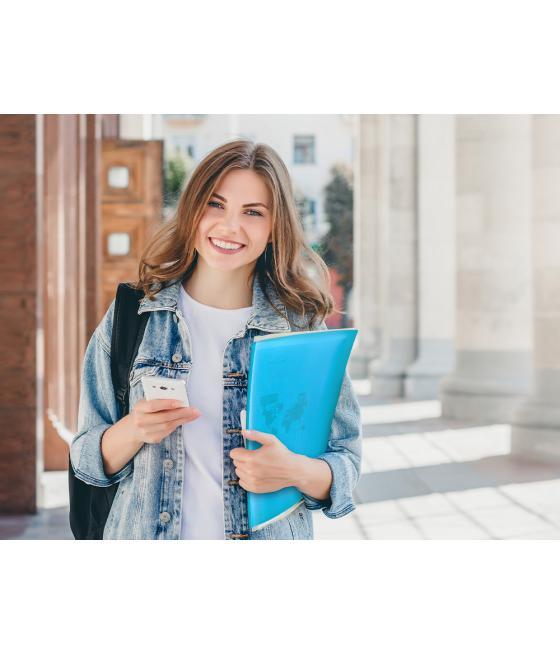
{"x": 313, "y": 477}
{"x": 119, "y": 444}
{"x": 343, "y": 456}
{"x": 97, "y": 413}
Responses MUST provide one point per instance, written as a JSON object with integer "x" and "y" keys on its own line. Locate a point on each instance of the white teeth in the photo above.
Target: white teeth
{"x": 224, "y": 244}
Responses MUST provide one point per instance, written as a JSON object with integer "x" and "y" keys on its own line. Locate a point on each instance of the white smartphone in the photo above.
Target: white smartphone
{"x": 157, "y": 387}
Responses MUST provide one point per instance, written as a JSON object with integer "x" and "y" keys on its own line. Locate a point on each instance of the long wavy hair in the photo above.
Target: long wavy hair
{"x": 299, "y": 275}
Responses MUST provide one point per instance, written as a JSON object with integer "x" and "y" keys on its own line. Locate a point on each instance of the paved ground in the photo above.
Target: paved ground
{"x": 422, "y": 478}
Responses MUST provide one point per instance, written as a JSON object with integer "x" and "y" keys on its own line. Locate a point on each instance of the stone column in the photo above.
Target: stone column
{"x": 370, "y": 199}
{"x": 436, "y": 256}
{"x": 493, "y": 368}
{"x": 21, "y": 308}
{"x": 397, "y": 262}
{"x": 536, "y": 424}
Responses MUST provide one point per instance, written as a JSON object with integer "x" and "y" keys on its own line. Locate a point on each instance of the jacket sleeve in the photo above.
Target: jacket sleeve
{"x": 343, "y": 454}
{"x": 98, "y": 410}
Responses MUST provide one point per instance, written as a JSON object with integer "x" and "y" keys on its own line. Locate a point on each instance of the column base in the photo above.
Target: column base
{"x": 387, "y": 375}
{"x": 487, "y": 385}
{"x": 493, "y": 408}
{"x": 535, "y": 432}
{"x": 423, "y": 377}
{"x": 387, "y": 379}
{"x": 358, "y": 366}
{"x": 536, "y": 444}
{"x": 422, "y": 387}
{"x": 387, "y": 386}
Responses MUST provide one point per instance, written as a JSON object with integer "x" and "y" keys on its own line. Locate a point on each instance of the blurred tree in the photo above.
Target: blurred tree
{"x": 337, "y": 244}
{"x": 177, "y": 169}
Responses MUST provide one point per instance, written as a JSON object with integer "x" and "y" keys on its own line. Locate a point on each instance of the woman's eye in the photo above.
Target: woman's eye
{"x": 213, "y": 203}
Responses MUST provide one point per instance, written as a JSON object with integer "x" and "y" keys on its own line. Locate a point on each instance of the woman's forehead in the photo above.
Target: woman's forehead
{"x": 245, "y": 185}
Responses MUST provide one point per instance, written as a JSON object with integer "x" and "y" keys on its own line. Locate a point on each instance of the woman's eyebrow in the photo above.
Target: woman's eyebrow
{"x": 248, "y": 204}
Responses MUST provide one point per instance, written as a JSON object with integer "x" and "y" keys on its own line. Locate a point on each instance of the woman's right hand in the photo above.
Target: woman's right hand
{"x": 153, "y": 420}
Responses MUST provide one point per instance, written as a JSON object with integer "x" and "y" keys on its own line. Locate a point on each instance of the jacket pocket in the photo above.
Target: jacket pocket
{"x": 300, "y": 522}
{"x": 140, "y": 370}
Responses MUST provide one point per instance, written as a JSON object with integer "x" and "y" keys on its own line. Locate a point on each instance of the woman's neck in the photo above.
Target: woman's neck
{"x": 220, "y": 289}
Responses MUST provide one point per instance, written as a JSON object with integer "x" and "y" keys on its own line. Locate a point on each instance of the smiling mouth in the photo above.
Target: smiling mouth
{"x": 213, "y": 243}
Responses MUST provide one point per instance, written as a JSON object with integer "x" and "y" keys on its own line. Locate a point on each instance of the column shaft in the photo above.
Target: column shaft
{"x": 436, "y": 256}
{"x": 536, "y": 425}
{"x": 493, "y": 368}
{"x": 397, "y": 255}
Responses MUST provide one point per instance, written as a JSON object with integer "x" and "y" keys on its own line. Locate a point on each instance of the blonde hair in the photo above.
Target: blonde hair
{"x": 289, "y": 258}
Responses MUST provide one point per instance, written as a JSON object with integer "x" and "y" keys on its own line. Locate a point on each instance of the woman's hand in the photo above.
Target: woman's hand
{"x": 268, "y": 468}
{"x": 153, "y": 420}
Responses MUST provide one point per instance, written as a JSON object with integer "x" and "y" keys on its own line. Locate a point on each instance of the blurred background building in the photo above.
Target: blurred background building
{"x": 441, "y": 235}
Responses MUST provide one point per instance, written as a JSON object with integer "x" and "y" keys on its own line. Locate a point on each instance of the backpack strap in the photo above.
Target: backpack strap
{"x": 126, "y": 337}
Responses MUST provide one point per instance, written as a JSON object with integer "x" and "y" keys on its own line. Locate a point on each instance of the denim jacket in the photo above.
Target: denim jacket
{"x": 148, "y": 502}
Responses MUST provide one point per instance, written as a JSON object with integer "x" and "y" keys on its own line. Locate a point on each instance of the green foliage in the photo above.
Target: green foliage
{"x": 336, "y": 245}
{"x": 177, "y": 168}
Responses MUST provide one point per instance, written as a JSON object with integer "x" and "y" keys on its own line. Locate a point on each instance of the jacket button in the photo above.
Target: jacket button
{"x": 165, "y": 517}
{"x": 168, "y": 464}
{"x": 232, "y": 482}
{"x": 176, "y": 357}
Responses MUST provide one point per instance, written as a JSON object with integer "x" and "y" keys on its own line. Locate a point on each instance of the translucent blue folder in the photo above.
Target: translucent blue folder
{"x": 293, "y": 389}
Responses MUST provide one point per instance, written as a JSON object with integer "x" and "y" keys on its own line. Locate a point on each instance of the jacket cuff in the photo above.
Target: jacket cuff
{"x": 340, "y": 501}
{"x": 87, "y": 461}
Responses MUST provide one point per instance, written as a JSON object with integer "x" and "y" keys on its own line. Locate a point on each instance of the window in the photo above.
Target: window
{"x": 304, "y": 149}
{"x": 118, "y": 177}
{"x": 312, "y": 209}
{"x": 311, "y": 212}
{"x": 184, "y": 145}
{"x": 118, "y": 243}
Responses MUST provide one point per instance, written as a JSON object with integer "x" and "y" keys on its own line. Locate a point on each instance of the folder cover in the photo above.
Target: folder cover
{"x": 294, "y": 383}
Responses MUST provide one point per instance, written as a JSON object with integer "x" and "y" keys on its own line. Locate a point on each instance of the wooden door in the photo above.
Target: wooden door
{"x": 131, "y": 208}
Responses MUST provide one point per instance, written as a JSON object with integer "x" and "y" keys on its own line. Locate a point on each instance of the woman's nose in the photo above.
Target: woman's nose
{"x": 232, "y": 219}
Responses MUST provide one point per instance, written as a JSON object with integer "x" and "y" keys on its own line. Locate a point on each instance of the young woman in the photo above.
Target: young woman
{"x": 232, "y": 264}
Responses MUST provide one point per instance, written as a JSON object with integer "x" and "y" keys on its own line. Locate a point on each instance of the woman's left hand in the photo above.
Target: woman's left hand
{"x": 268, "y": 468}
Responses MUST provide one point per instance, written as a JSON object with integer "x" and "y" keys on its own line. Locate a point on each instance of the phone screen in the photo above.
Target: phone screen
{"x": 157, "y": 387}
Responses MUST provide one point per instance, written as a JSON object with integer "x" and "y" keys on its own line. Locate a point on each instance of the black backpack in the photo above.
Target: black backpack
{"x": 90, "y": 505}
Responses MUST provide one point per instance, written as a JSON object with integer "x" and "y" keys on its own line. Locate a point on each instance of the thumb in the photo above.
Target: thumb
{"x": 261, "y": 437}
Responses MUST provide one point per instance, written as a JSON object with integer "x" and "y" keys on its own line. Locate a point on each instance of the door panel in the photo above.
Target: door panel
{"x": 131, "y": 208}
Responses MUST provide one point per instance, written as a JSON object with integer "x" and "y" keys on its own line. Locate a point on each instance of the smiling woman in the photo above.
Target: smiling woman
{"x": 241, "y": 192}
{"x": 230, "y": 236}
{"x": 232, "y": 264}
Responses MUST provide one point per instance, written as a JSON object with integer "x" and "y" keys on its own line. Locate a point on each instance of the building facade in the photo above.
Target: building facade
{"x": 457, "y": 274}
{"x": 309, "y": 144}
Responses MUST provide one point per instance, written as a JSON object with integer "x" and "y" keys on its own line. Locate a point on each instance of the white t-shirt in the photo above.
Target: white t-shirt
{"x": 210, "y": 329}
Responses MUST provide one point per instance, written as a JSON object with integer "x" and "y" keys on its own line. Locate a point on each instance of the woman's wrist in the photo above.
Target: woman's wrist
{"x": 119, "y": 444}
{"x": 131, "y": 432}
{"x": 312, "y": 476}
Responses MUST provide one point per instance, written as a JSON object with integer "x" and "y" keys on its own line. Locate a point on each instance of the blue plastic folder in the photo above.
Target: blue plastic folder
{"x": 293, "y": 389}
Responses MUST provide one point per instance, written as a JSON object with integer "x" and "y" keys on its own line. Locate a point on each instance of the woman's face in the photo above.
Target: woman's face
{"x": 239, "y": 213}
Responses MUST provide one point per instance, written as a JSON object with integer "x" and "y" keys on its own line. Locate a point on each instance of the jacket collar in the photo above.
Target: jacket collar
{"x": 263, "y": 316}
